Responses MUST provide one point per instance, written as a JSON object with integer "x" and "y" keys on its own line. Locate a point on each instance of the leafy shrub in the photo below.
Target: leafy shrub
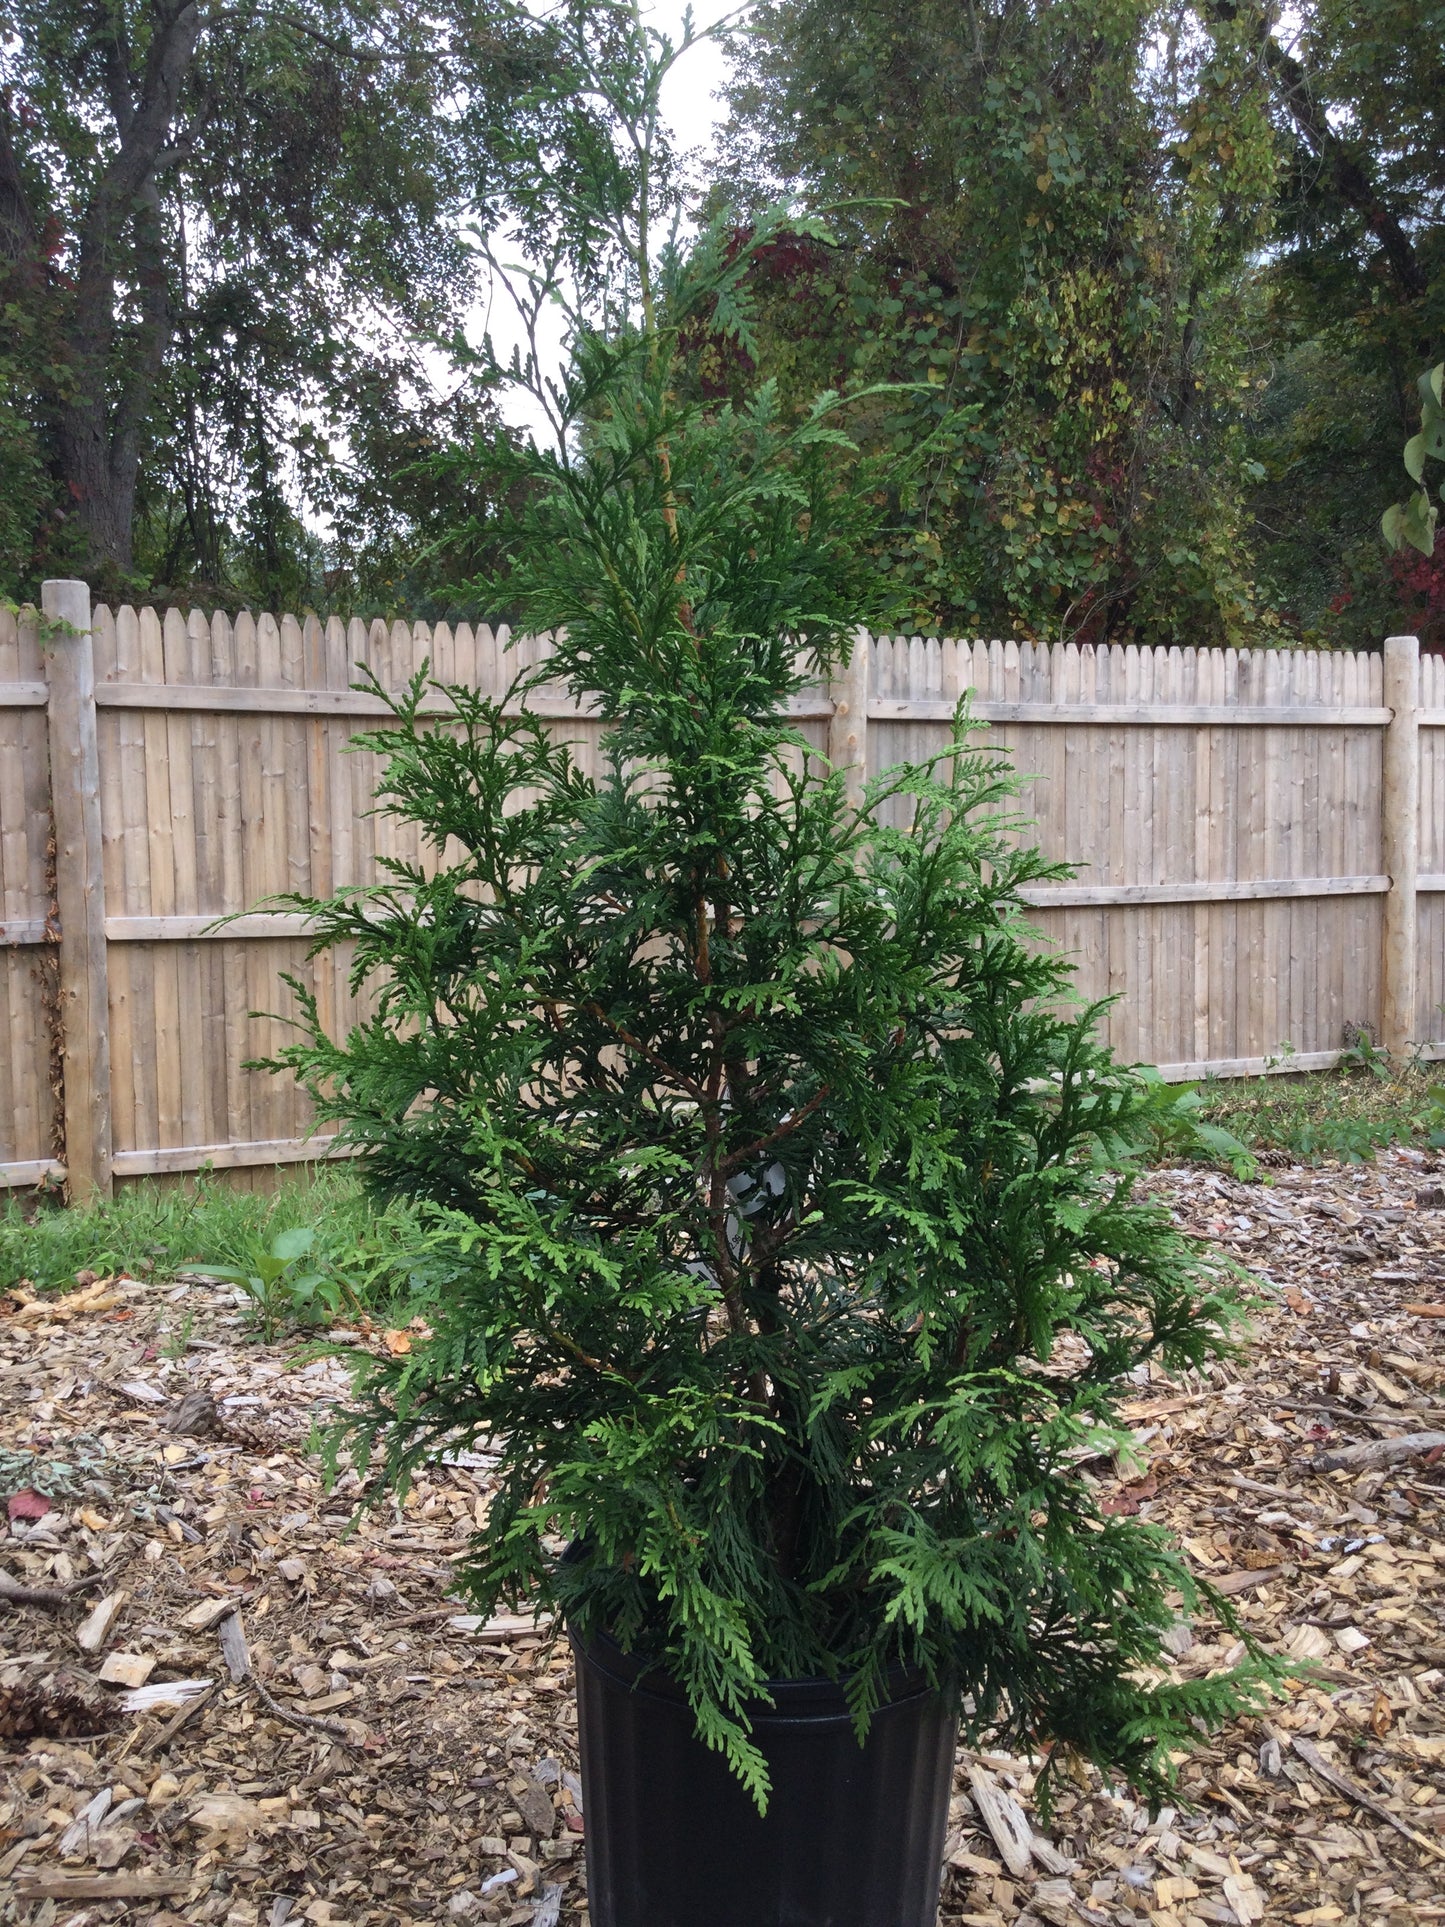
{"x": 1173, "y": 1124}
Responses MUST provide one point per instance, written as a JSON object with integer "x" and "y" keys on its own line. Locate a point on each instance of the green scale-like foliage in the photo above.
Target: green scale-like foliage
{"x": 781, "y": 1243}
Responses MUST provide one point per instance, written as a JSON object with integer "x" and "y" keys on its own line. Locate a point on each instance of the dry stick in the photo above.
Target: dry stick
{"x": 420, "y": 1618}
{"x": 238, "y": 1660}
{"x": 1373, "y": 1417}
{"x": 1356, "y": 1458}
{"x": 1233, "y": 1582}
{"x": 18, "y": 1595}
{"x": 330, "y": 1728}
{"x": 102, "y": 1886}
{"x": 1332, "y": 1777}
{"x": 1273, "y": 1491}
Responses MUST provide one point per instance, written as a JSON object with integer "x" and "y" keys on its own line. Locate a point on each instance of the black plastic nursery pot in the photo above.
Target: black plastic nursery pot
{"x": 853, "y": 1836}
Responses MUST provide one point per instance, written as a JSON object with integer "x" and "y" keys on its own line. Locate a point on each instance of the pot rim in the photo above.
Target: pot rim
{"x": 818, "y": 1698}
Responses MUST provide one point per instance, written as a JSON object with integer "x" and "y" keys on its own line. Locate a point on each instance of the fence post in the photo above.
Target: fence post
{"x": 79, "y": 889}
{"x": 1400, "y": 843}
{"x": 848, "y": 725}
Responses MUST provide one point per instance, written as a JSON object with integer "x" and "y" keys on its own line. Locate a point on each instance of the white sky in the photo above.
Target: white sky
{"x": 693, "y": 113}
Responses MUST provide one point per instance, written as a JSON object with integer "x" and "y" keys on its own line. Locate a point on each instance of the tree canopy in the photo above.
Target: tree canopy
{"x": 1121, "y": 246}
{"x": 226, "y": 236}
{"x": 1152, "y": 281}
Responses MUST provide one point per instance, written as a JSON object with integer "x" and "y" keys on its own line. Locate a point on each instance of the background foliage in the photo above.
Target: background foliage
{"x": 228, "y": 239}
{"x": 1168, "y": 276}
{"x": 1165, "y": 274}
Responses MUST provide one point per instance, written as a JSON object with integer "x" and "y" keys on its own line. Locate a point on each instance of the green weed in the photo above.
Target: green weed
{"x": 1363, "y": 1106}
{"x": 283, "y": 1289}
{"x": 1176, "y": 1126}
{"x": 305, "y": 1252}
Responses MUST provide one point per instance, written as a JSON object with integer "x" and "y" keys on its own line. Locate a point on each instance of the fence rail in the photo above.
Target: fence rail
{"x": 1260, "y": 839}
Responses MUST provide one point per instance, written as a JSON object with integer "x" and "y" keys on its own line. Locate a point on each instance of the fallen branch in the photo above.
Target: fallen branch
{"x": 306, "y": 1721}
{"x": 238, "y": 1662}
{"x": 420, "y": 1618}
{"x": 1374, "y": 1416}
{"x": 1232, "y": 1582}
{"x": 1273, "y": 1491}
{"x": 1364, "y": 1458}
{"x": 1342, "y": 1783}
{"x": 19, "y": 1595}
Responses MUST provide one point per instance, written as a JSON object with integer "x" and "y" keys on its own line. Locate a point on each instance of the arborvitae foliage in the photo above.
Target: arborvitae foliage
{"x": 781, "y": 1255}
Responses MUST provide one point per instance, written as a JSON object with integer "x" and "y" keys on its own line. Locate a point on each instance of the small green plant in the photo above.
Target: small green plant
{"x": 282, "y": 1288}
{"x": 791, "y": 1265}
{"x": 1362, "y": 1053}
{"x": 1433, "y": 1118}
{"x": 175, "y": 1342}
{"x": 1174, "y": 1125}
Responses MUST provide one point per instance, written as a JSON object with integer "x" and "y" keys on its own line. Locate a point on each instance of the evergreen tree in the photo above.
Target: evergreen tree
{"x": 775, "y": 1236}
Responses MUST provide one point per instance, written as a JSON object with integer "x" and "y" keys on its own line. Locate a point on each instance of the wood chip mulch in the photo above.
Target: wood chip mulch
{"x": 245, "y": 1713}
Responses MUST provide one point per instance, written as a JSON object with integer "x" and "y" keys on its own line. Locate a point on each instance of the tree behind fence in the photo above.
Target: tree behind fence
{"x": 1260, "y": 839}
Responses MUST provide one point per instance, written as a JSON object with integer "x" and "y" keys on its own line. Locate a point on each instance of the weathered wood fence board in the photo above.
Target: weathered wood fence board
{"x": 29, "y": 978}
{"x": 1245, "y": 785}
{"x": 1246, "y": 826}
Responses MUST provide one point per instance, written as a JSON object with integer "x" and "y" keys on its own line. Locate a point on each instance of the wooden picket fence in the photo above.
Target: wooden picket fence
{"x": 1260, "y": 839}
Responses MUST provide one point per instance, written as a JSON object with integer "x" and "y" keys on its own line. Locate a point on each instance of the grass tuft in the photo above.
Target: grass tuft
{"x": 152, "y": 1231}
{"x": 1348, "y": 1114}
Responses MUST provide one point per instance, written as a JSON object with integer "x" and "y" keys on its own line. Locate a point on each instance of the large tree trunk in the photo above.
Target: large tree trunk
{"x": 101, "y": 487}
{"x": 100, "y": 428}
{"x": 100, "y": 412}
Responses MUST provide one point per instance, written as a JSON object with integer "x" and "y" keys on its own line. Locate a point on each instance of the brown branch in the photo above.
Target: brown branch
{"x": 20, "y": 1595}
{"x": 751, "y": 1151}
{"x": 659, "y": 1064}
{"x": 598, "y": 1365}
{"x": 307, "y": 1721}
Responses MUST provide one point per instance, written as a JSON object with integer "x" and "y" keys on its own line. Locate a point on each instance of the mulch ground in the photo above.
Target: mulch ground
{"x": 354, "y": 1748}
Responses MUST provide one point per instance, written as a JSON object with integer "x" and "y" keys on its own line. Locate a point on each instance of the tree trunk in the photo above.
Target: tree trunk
{"x": 1345, "y": 167}
{"x": 110, "y": 380}
{"x": 100, "y": 438}
{"x": 102, "y": 488}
